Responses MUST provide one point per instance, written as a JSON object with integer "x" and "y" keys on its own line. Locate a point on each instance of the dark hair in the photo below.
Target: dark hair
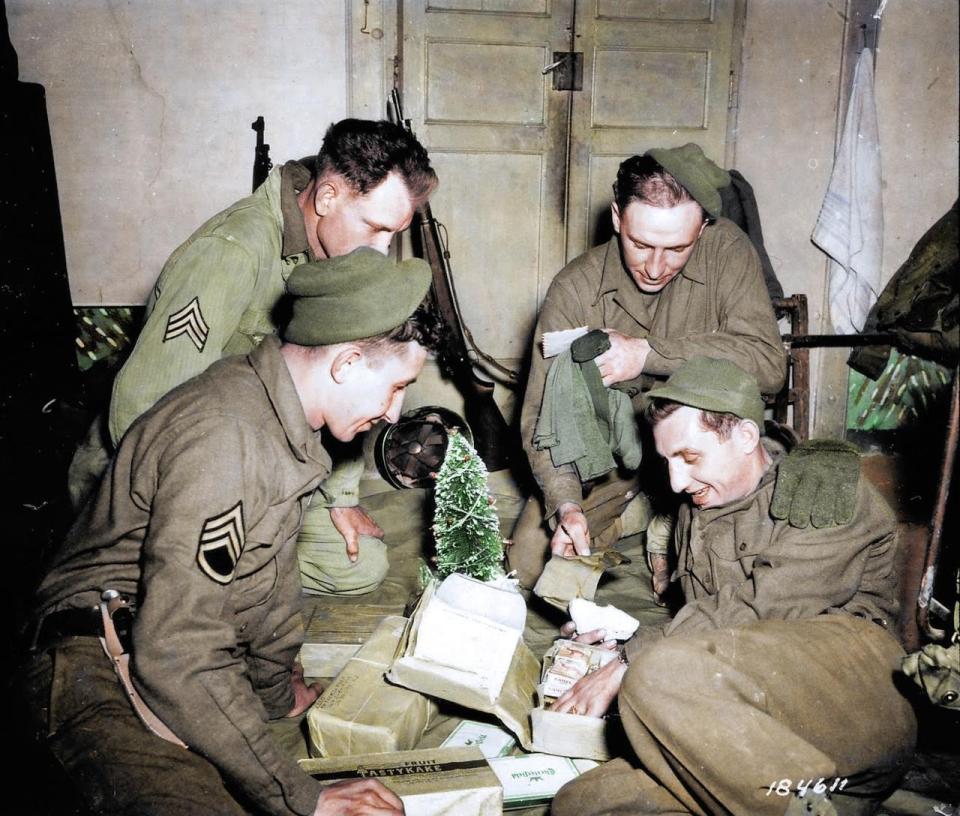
{"x": 423, "y": 327}
{"x": 643, "y": 178}
{"x": 364, "y": 152}
{"x": 721, "y": 423}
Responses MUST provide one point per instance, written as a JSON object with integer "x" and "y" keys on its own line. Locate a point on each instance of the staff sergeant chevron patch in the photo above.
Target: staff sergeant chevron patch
{"x": 221, "y": 542}
{"x": 189, "y": 321}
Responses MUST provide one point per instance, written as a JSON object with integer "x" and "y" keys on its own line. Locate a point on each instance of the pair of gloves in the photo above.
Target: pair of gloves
{"x": 817, "y": 484}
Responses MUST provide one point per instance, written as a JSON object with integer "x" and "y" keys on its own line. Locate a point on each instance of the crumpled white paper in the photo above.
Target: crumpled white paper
{"x": 588, "y": 616}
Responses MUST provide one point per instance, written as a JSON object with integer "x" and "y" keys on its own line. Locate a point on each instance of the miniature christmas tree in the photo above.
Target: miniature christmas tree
{"x": 465, "y": 524}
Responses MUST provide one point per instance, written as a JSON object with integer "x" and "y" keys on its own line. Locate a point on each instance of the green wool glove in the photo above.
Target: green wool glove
{"x": 817, "y": 484}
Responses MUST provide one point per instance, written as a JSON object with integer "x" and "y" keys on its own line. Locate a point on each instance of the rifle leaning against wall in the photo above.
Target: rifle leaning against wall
{"x": 490, "y": 430}
{"x": 261, "y": 157}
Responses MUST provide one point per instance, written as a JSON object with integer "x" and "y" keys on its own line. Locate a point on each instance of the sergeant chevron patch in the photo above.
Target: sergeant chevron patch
{"x": 221, "y": 542}
{"x": 189, "y": 321}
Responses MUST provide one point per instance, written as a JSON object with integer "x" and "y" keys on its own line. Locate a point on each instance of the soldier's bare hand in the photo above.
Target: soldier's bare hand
{"x": 351, "y": 523}
{"x": 595, "y": 637}
{"x": 572, "y": 536}
{"x": 358, "y": 797}
{"x": 625, "y": 358}
{"x": 592, "y": 695}
{"x": 303, "y": 695}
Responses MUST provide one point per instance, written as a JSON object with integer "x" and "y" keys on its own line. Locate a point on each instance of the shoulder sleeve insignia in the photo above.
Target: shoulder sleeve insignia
{"x": 189, "y": 321}
{"x": 221, "y": 542}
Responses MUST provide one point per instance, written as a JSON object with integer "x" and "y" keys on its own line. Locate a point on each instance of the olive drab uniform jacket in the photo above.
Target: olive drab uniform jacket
{"x": 737, "y": 564}
{"x": 216, "y": 296}
{"x": 717, "y": 306}
{"x": 196, "y": 523}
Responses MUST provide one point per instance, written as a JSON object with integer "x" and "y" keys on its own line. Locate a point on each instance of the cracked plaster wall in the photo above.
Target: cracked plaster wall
{"x": 150, "y": 106}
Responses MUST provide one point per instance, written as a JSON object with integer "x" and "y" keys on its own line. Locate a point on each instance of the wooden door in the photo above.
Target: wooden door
{"x": 526, "y": 170}
{"x": 475, "y": 90}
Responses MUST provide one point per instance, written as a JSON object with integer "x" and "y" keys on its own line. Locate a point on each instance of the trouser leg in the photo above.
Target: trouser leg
{"x": 80, "y": 711}
{"x": 720, "y": 718}
{"x": 615, "y": 788}
{"x": 325, "y": 568}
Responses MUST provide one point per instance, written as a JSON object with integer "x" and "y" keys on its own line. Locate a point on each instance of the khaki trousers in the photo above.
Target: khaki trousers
{"x": 324, "y": 566}
{"x": 719, "y": 720}
{"x": 82, "y": 714}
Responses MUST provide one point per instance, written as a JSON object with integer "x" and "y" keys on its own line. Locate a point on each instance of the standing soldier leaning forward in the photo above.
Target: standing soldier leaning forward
{"x": 195, "y": 524}
{"x": 773, "y": 686}
{"x": 217, "y": 295}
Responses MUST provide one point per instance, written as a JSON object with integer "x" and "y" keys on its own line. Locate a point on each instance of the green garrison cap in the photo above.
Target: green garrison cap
{"x": 713, "y": 385}
{"x": 352, "y": 297}
{"x": 700, "y": 176}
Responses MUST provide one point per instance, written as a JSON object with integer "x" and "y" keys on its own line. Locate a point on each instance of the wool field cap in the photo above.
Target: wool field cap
{"x": 701, "y": 177}
{"x": 713, "y": 385}
{"x": 353, "y": 297}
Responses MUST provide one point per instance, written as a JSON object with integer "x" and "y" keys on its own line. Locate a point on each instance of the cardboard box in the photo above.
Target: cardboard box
{"x": 431, "y": 782}
{"x": 360, "y": 712}
{"x": 492, "y": 740}
{"x": 532, "y": 779}
{"x": 572, "y": 735}
{"x": 463, "y": 644}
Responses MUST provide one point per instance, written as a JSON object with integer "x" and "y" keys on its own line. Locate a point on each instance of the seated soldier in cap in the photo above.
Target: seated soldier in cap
{"x": 193, "y": 531}
{"x": 773, "y": 686}
{"x": 675, "y": 281}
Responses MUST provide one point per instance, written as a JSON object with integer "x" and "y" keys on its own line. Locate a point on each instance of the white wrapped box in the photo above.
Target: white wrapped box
{"x": 463, "y": 644}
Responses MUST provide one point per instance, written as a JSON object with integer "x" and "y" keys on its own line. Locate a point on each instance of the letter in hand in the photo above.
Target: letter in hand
{"x": 351, "y": 523}
{"x": 572, "y": 536}
{"x": 358, "y": 797}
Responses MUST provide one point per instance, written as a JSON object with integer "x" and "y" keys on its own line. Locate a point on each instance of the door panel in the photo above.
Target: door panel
{"x": 526, "y": 171}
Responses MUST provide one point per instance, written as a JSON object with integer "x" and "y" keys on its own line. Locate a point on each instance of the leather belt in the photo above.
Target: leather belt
{"x": 64, "y": 623}
{"x": 84, "y": 621}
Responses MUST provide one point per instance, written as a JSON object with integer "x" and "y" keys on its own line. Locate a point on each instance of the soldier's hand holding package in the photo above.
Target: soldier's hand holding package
{"x": 304, "y": 696}
{"x": 592, "y": 694}
{"x": 572, "y": 536}
{"x": 358, "y": 797}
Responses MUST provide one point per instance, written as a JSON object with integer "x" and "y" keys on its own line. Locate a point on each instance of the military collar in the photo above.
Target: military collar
{"x": 616, "y": 281}
{"x": 294, "y": 177}
{"x": 272, "y": 370}
{"x": 776, "y": 453}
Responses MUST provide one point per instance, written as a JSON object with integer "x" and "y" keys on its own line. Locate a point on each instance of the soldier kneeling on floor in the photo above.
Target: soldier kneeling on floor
{"x": 165, "y": 633}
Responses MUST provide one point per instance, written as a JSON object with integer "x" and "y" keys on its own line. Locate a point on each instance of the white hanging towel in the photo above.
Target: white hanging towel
{"x": 850, "y": 226}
